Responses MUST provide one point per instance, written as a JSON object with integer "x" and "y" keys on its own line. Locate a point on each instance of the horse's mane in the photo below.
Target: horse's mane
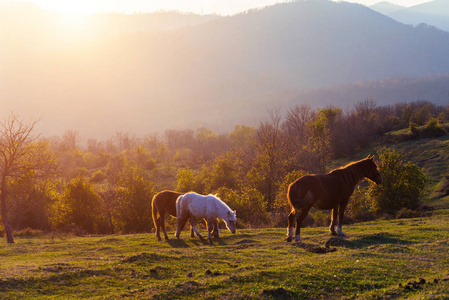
{"x": 220, "y": 201}
{"x": 354, "y": 170}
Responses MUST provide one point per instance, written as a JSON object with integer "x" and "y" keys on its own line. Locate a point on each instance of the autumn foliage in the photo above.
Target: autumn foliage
{"x": 106, "y": 186}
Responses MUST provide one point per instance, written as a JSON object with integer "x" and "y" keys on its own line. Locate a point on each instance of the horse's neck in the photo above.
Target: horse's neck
{"x": 355, "y": 175}
{"x": 222, "y": 210}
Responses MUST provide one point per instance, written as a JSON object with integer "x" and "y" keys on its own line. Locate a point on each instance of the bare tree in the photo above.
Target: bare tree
{"x": 272, "y": 147}
{"x": 20, "y": 153}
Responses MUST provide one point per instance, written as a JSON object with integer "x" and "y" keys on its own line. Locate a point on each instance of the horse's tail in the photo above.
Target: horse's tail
{"x": 296, "y": 196}
{"x": 179, "y": 206}
{"x": 154, "y": 211}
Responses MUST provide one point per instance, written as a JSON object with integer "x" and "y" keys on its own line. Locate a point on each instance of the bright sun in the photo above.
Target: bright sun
{"x": 72, "y": 7}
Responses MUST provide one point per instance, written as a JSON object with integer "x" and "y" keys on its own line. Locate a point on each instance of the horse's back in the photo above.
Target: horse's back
{"x": 165, "y": 202}
{"x": 318, "y": 189}
{"x": 198, "y": 205}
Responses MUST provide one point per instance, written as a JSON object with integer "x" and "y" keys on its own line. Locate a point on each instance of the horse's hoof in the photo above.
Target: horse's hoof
{"x": 159, "y": 239}
{"x": 289, "y": 239}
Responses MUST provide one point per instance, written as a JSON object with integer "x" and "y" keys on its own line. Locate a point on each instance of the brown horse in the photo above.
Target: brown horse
{"x": 163, "y": 203}
{"x": 327, "y": 191}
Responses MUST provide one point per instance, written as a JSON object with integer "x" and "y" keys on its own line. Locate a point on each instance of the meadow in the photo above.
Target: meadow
{"x": 399, "y": 259}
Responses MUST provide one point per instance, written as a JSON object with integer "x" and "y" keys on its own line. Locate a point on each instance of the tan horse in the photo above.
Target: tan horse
{"x": 327, "y": 191}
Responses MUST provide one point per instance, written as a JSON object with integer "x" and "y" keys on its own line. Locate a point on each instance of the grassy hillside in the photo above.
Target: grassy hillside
{"x": 432, "y": 155}
{"x": 400, "y": 259}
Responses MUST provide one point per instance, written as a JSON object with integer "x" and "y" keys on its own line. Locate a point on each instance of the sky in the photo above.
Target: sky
{"x": 221, "y": 7}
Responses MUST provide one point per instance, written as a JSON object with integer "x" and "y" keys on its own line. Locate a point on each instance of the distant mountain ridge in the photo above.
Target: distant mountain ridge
{"x": 435, "y": 13}
{"x": 218, "y": 73}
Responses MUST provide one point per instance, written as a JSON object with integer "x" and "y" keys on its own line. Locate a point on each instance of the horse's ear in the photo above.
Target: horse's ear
{"x": 370, "y": 157}
{"x": 235, "y": 212}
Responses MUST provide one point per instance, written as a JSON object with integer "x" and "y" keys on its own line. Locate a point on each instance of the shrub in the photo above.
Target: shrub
{"x": 433, "y": 129}
{"x": 359, "y": 208}
{"x": 407, "y": 213}
{"x": 28, "y": 232}
{"x": 97, "y": 177}
{"x": 322, "y": 219}
{"x": 250, "y": 207}
{"x": 403, "y": 184}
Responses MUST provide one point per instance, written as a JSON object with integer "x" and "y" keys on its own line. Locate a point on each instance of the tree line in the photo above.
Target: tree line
{"x": 105, "y": 187}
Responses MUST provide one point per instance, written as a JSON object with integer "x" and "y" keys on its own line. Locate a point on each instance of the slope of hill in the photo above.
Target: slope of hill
{"x": 218, "y": 74}
{"x": 432, "y": 155}
{"x": 400, "y": 259}
{"x": 386, "y": 8}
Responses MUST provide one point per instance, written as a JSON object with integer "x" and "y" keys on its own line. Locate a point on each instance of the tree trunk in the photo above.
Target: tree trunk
{"x": 8, "y": 231}
{"x": 5, "y": 219}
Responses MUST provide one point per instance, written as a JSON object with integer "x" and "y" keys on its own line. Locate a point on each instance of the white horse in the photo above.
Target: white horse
{"x": 192, "y": 205}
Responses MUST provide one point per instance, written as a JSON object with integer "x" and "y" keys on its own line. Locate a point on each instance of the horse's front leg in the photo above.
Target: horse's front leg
{"x": 334, "y": 216}
{"x": 341, "y": 214}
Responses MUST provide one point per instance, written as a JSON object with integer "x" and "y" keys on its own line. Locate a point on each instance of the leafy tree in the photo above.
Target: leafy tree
{"x": 20, "y": 153}
{"x": 403, "y": 185}
{"x": 79, "y": 206}
{"x": 191, "y": 180}
{"x": 32, "y": 201}
{"x": 223, "y": 173}
{"x": 134, "y": 192}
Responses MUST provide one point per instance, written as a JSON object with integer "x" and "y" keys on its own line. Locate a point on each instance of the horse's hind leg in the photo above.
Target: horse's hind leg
{"x": 216, "y": 232}
{"x": 193, "y": 228}
{"x": 291, "y": 223}
{"x": 210, "y": 229}
{"x": 158, "y": 231}
{"x": 299, "y": 219}
{"x": 162, "y": 225}
{"x": 333, "y": 221}
{"x": 180, "y": 223}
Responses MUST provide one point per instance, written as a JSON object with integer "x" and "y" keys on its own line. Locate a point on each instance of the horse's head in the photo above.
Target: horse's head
{"x": 231, "y": 221}
{"x": 373, "y": 173}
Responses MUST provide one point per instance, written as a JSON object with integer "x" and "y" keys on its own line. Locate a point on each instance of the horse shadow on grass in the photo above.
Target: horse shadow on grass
{"x": 381, "y": 238}
{"x": 177, "y": 243}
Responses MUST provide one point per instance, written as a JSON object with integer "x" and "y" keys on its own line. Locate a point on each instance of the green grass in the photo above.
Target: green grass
{"x": 370, "y": 263}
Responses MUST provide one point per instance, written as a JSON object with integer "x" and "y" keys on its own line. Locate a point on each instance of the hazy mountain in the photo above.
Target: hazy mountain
{"x": 433, "y": 88}
{"x": 220, "y": 73}
{"x": 435, "y": 13}
{"x": 386, "y": 8}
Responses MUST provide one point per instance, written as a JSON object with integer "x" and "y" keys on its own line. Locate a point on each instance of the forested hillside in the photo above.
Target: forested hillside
{"x": 107, "y": 186}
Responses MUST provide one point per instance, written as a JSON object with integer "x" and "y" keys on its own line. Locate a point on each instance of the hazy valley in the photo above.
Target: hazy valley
{"x": 151, "y": 72}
